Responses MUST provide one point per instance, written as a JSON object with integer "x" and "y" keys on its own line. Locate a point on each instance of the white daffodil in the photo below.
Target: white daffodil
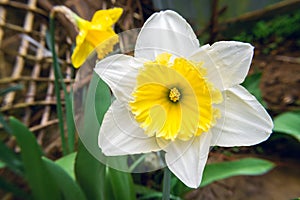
{"x": 180, "y": 98}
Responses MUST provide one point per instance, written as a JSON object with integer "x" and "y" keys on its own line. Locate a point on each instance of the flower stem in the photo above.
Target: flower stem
{"x": 57, "y": 88}
{"x": 166, "y": 184}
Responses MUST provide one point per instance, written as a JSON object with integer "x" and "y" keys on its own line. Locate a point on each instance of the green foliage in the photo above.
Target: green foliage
{"x": 90, "y": 174}
{"x": 10, "y": 159}
{"x": 245, "y": 166}
{"x": 272, "y": 32}
{"x": 96, "y": 179}
{"x": 99, "y": 181}
{"x": 118, "y": 180}
{"x": 282, "y": 26}
{"x": 9, "y": 187}
{"x": 2, "y": 164}
{"x": 147, "y": 193}
{"x": 39, "y": 178}
{"x": 7, "y": 156}
{"x": 69, "y": 188}
{"x": 288, "y": 123}
{"x": 67, "y": 163}
{"x": 59, "y": 84}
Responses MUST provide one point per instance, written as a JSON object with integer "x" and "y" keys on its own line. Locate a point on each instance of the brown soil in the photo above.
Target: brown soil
{"x": 280, "y": 81}
{"x": 283, "y": 182}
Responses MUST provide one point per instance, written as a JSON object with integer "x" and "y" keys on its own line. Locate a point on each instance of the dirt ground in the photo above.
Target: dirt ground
{"x": 282, "y": 183}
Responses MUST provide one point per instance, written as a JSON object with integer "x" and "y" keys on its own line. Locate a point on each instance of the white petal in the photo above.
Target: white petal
{"x": 166, "y": 31}
{"x": 119, "y": 72}
{"x": 244, "y": 120}
{"x": 187, "y": 160}
{"x": 232, "y": 60}
{"x": 121, "y": 135}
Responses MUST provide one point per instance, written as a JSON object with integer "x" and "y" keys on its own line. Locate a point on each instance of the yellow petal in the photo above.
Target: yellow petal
{"x": 107, "y": 18}
{"x": 174, "y": 100}
{"x": 95, "y": 37}
{"x": 154, "y": 83}
{"x": 80, "y": 53}
{"x": 156, "y": 113}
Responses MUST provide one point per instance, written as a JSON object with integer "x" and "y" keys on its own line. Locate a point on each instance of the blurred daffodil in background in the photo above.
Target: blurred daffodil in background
{"x": 180, "y": 98}
{"x": 93, "y": 33}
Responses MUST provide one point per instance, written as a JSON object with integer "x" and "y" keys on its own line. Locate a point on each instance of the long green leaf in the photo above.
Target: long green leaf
{"x": 90, "y": 174}
{"x": 4, "y": 124}
{"x": 67, "y": 163}
{"x": 57, "y": 86}
{"x": 122, "y": 184}
{"x": 288, "y": 123}
{"x": 9, "y": 187}
{"x": 38, "y": 177}
{"x": 69, "y": 188}
{"x": 246, "y": 166}
{"x": 68, "y": 100}
{"x": 10, "y": 159}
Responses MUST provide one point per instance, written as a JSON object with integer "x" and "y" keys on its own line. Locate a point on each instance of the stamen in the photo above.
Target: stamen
{"x": 174, "y": 94}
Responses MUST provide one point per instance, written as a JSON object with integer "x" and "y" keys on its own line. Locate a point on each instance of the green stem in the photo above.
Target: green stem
{"x": 57, "y": 88}
{"x": 136, "y": 163}
{"x": 166, "y": 184}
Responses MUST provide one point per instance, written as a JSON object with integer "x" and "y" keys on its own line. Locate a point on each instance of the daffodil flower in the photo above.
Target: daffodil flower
{"x": 93, "y": 33}
{"x": 180, "y": 98}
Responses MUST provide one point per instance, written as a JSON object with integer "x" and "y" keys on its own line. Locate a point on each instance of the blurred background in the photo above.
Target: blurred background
{"x": 271, "y": 26}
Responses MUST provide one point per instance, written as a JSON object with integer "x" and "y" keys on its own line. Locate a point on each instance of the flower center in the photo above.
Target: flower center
{"x": 158, "y": 104}
{"x": 174, "y": 95}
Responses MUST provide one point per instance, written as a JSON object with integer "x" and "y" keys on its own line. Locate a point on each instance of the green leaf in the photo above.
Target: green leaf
{"x": 2, "y": 164}
{"x": 97, "y": 180}
{"x": 10, "y": 159}
{"x": 178, "y": 188}
{"x": 158, "y": 195}
{"x": 90, "y": 174}
{"x": 4, "y": 124}
{"x": 252, "y": 84}
{"x": 36, "y": 173}
{"x": 69, "y": 118}
{"x": 288, "y": 123}
{"x": 69, "y": 188}
{"x": 103, "y": 97}
{"x": 122, "y": 184}
{"x": 11, "y": 89}
{"x": 9, "y": 187}
{"x": 148, "y": 193}
{"x": 247, "y": 166}
{"x": 68, "y": 163}
{"x": 140, "y": 189}
{"x": 59, "y": 83}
